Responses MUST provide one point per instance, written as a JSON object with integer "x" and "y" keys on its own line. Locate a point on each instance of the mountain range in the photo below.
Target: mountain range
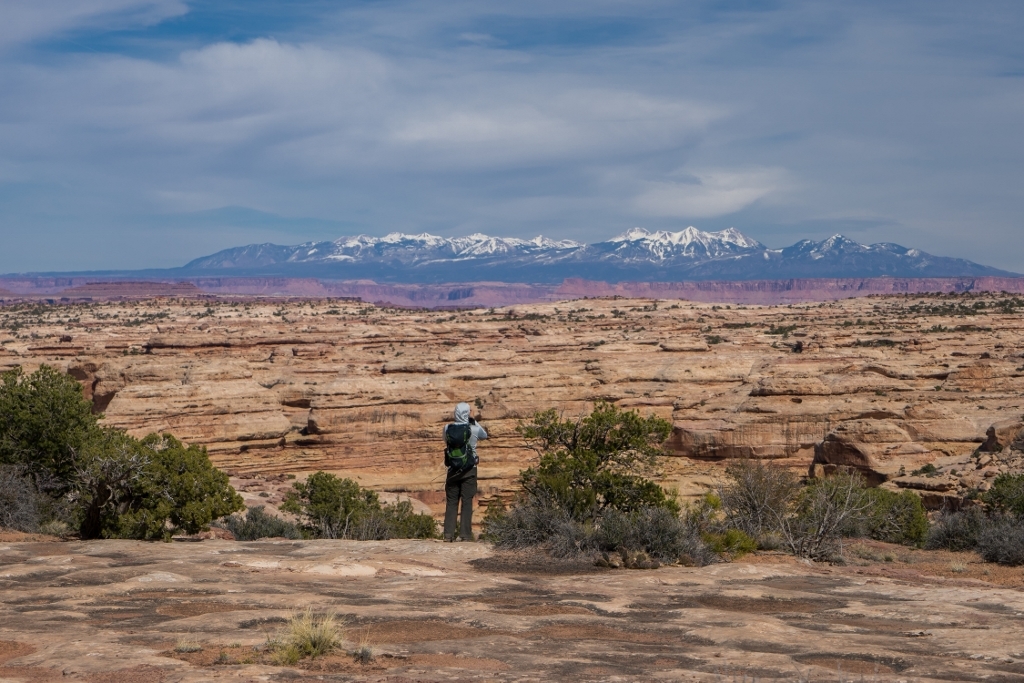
{"x": 637, "y": 255}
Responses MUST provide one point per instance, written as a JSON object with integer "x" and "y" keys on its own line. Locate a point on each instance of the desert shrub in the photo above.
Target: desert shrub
{"x": 658, "y": 532}
{"x": 339, "y": 508}
{"x": 101, "y": 480}
{"x": 1002, "y": 541}
{"x": 531, "y": 521}
{"x": 598, "y": 462}
{"x": 258, "y": 523}
{"x": 731, "y": 542}
{"x": 757, "y": 498}
{"x": 821, "y": 513}
{"x": 44, "y": 421}
{"x": 403, "y": 522}
{"x": 149, "y": 489}
{"x": 330, "y": 507}
{"x": 19, "y": 507}
{"x": 571, "y": 538}
{"x": 1007, "y": 494}
{"x": 591, "y": 489}
{"x": 957, "y": 530}
{"x": 893, "y": 517}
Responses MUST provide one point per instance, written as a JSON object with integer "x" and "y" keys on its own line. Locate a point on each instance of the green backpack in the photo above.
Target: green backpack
{"x": 456, "y": 453}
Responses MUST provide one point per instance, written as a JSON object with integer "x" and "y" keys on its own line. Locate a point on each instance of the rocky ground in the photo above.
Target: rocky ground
{"x": 133, "y": 612}
{"x": 277, "y": 388}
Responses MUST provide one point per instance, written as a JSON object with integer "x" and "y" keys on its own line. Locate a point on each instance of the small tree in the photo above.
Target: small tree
{"x": 44, "y": 421}
{"x": 598, "y": 462}
{"x": 151, "y": 488}
{"x": 329, "y": 506}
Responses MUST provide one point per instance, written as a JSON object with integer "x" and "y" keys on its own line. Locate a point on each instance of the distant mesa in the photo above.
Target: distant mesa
{"x": 637, "y": 255}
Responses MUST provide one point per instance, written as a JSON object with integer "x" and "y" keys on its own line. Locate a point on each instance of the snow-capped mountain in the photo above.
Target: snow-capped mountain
{"x": 691, "y": 243}
{"x": 636, "y": 254}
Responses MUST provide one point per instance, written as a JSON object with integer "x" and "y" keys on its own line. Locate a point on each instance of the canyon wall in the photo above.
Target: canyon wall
{"x": 885, "y": 384}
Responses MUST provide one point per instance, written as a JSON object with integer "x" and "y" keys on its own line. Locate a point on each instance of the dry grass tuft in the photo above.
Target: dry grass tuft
{"x": 309, "y": 635}
{"x": 188, "y": 644}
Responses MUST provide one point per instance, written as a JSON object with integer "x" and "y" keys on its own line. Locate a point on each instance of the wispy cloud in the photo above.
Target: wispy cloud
{"x": 710, "y": 193}
{"x": 574, "y": 119}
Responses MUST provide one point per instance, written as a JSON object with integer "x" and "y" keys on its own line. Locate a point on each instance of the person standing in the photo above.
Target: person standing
{"x": 460, "y": 457}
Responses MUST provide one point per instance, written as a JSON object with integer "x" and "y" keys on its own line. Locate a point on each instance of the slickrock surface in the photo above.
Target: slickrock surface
{"x": 885, "y": 384}
{"x": 118, "y": 610}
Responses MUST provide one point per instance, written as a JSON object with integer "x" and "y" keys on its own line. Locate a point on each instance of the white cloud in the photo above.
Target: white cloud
{"x": 22, "y": 21}
{"x": 710, "y": 193}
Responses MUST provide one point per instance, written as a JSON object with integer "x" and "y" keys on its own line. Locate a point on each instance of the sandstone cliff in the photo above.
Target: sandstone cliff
{"x": 885, "y": 384}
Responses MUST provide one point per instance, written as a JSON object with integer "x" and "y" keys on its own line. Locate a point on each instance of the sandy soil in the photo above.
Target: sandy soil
{"x": 122, "y": 612}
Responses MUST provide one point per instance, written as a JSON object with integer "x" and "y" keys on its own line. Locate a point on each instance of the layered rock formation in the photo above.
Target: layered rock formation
{"x": 884, "y": 384}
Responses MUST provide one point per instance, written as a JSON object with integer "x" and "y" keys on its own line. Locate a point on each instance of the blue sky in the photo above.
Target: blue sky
{"x": 144, "y": 133}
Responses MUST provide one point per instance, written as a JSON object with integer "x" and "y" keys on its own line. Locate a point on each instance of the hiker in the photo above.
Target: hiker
{"x": 461, "y": 459}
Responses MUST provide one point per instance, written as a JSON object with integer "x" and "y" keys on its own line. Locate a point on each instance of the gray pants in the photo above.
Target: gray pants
{"x": 460, "y": 486}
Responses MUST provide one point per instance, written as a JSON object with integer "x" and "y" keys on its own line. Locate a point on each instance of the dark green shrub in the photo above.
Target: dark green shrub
{"x": 257, "y": 524}
{"x": 403, "y": 522}
{"x": 894, "y": 517}
{"x": 44, "y": 421}
{"x": 1007, "y": 494}
{"x": 102, "y": 480}
{"x": 957, "y": 530}
{"x": 758, "y": 497}
{"x": 602, "y": 461}
{"x": 330, "y": 507}
{"x": 339, "y": 508}
{"x": 1002, "y": 541}
{"x": 150, "y": 489}
{"x": 591, "y": 489}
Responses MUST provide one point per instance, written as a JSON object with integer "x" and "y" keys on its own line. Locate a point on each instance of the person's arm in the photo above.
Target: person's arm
{"x": 478, "y": 431}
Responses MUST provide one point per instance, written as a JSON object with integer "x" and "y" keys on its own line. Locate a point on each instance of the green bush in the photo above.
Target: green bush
{"x": 731, "y": 542}
{"x": 403, "y": 522}
{"x": 150, "y": 489}
{"x": 591, "y": 490}
{"x": 258, "y": 523}
{"x": 599, "y": 462}
{"x": 330, "y": 507}
{"x": 894, "y": 517}
{"x": 339, "y": 508}
{"x": 44, "y": 421}
{"x": 1007, "y": 494}
{"x": 102, "y": 480}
